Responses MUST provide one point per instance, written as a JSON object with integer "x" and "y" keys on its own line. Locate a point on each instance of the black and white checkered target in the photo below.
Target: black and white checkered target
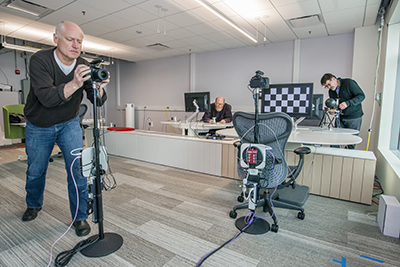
{"x": 288, "y": 100}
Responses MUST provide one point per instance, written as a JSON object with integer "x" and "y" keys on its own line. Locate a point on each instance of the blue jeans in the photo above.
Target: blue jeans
{"x": 39, "y": 143}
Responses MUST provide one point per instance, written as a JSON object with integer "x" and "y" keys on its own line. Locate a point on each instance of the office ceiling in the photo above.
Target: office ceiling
{"x": 139, "y": 30}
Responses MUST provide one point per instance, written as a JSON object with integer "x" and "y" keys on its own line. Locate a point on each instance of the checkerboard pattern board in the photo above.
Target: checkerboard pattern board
{"x": 288, "y": 100}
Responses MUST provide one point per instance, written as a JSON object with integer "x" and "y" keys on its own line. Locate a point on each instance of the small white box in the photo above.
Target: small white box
{"x": 389, "y": 216}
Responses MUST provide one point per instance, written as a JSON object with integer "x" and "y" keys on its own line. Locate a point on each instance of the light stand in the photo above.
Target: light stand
{"x": 103, "y": 243}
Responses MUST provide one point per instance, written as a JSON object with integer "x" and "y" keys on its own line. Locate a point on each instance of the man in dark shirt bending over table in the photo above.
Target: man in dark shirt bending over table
{"x": 350, "y": 96}
{"x": 58, "y": 79}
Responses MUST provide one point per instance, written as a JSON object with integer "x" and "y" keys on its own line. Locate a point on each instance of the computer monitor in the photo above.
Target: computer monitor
{"x": 318, "y": 107}
{"x": 295, "y": 99}
{"x": 317, "y": 111}
{"x": 202, "y": 100}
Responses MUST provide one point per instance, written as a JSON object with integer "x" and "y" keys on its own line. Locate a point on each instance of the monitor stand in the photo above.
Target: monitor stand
{"x": 195, "y": 113}
{"x": 297, "y": 122}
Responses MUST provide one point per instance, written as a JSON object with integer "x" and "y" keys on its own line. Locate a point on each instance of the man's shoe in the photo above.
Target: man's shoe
{"x": 30, "y": 214}
{"x": 82, "y": 228}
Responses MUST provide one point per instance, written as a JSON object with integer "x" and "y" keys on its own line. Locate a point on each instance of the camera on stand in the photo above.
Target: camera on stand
{"x": 258, "y": 81}
{"x": 331, "y": 108}
{"x": 97, "y": 74}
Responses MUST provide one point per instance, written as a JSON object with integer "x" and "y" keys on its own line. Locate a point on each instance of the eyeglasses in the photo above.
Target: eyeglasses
{"x": 328, "y": 84}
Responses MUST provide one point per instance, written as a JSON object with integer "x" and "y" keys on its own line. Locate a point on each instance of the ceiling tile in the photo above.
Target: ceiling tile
{"x": 150, "y": 6}
{"x": 95, "y": 29}
{"x": 329, "y": 6}
{"x": 135, "y": 15}
{"x": 82, "y": 11}
{"x": 53, "y": 4}
{"x": 344, "y": 15}
{"x": 278, "y": 3}
{"x": 128, "y": 33}
{"x": 188, "y": 24}
{"x": 202, "y": 28}
{"x": 184, "y": 19}
{"x": 195, "y": 40}
{"x": 299, "y": 9}
{"x": 250, "y": 7}
{"x": 106, "y": 6}
{"x": 311, "y": 32}
{"x": 343, "y": 27}
{"x": 113, "y": 22}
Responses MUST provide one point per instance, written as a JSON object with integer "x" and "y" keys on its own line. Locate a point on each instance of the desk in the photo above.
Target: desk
{"x": 310, "y": 136}
{"x": 327, "y": 130}
{"x": 196, "y": 127}
{"x": 332, "y": 172}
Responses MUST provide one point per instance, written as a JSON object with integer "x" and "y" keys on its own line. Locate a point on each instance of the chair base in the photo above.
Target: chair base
{"x": 257, "y": 227}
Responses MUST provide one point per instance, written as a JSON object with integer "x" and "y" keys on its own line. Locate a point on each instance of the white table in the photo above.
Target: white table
{"x": 326, "y": 129}
{"x": 317, "y": 137}
{"x": 196, "y": 127}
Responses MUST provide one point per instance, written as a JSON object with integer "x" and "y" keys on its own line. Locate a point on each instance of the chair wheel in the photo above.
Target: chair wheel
{"x": 233, "y": 214}
{"x": 274, "y": 228}
{"x": 240, "y": 199}
{"x": 51, "y": 160}
{"x": 301, "y": 215}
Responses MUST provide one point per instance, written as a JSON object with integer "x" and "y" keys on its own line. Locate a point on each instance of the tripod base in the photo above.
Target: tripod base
{"x": 257, "y": 227}
{"x": 103, "y": 247}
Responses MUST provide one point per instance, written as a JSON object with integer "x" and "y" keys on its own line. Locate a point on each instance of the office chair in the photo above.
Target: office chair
{"x": 263, "y": 168}
{"x": 82, "y": 111}
{"x": 13, "y": 131}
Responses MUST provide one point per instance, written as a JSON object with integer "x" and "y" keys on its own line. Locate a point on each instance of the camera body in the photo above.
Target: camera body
{"x": 97, "y": 74}
{"x": 332, "y": 103}
{"x": 258, "y": 81}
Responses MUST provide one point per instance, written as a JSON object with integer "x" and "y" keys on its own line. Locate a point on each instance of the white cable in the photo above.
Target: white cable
{"x": 379, "y": 43}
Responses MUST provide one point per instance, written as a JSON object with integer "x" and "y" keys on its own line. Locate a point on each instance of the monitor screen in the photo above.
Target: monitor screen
{"x": 318, "y": 107}
{"x": 295, "y": 99}
{"x": 202, "y": 100}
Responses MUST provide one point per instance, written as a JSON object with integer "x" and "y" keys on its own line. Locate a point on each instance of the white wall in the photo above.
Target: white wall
{"x": 364, "y": 72}
{"x": 9, "y": 62}
{"x": 161, "y": 83}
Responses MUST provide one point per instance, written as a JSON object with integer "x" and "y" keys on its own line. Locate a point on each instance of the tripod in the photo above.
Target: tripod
{"x": 103, "y": 243}
{"x": 331, "y": 120}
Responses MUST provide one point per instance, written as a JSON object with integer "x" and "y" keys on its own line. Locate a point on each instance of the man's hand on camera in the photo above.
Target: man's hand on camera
{"x": 343, "y": 105}
{"x": 79, "y": 77}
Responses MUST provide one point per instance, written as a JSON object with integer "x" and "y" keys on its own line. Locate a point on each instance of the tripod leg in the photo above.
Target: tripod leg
{"x": 268, "y": 208}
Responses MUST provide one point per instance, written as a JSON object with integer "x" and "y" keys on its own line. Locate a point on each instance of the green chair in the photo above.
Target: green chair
{"x": 13, "y": 131}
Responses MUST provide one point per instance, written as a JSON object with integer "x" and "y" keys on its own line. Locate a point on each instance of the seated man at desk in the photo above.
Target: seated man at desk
{"x": 218, "y": 110}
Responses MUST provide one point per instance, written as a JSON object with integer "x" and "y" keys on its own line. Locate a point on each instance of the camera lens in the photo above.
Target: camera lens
{"x": 99, "y": 75}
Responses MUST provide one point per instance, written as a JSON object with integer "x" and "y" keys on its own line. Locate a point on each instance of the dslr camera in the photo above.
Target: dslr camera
{"x": 258, "y": 81}
{"x": 97, "y": 74}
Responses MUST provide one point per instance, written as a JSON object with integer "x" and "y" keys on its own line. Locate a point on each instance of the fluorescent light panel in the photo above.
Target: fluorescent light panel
{"x": 20, "y": 47}
{"x": 27, "y": 7}
{"x": 213, "y": 10}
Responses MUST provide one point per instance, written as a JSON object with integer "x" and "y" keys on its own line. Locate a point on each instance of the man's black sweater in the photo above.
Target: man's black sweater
{"x": 351, "y": 93}
{"x": 46, "y": 104}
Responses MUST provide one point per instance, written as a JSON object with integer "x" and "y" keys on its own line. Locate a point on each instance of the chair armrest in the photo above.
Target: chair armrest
{"x": 302, "y": 150}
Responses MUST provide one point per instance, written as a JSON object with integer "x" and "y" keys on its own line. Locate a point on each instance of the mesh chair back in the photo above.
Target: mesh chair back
{"x": 274, "y": 131}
